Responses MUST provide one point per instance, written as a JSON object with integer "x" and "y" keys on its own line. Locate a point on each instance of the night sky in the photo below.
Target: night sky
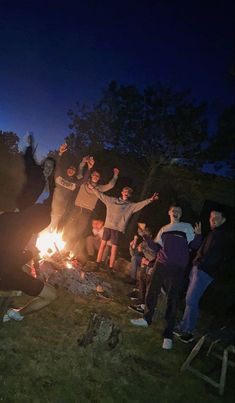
{"x": 55, "y": 53}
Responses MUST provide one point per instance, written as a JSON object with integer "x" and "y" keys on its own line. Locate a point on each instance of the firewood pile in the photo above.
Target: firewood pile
{"x": 62, "y": 272}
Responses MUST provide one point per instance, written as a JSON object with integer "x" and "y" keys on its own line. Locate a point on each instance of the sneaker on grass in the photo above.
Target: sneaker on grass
{"x": 134, "y": 294}
{"x": 177, "y": 331}
{"x": 13, "y": 314}
{"x": 167, "y": 344}
{"x": 137, "y": 308}
{"x": 139, "y": 322}
{"x": 186, "y": 337}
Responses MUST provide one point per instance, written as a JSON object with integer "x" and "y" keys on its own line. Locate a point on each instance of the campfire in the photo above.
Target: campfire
{"x": 49, "y": 243}
{"x": 59, "y": 267}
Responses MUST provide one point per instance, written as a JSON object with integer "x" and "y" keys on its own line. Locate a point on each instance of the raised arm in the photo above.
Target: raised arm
{"x": 60, "y": 158}
{"x": 138, "y": 206}
{"x": 111, "y": 183}
{"x": 84, "y": 178}
{"x": 81, "y": 166}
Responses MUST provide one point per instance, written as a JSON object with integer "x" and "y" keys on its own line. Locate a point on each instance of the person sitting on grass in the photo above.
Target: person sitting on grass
{"x": 16, "y": 229}
{"x": 119, "y": 211}
{"x": 93, "y": 241}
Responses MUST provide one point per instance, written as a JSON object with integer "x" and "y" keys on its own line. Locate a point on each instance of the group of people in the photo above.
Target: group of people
{"x": 46, "y": 201}
{"x": 164, "y": 267}
{"x": 74, "y": 202}
{"x": 65, "y": 199}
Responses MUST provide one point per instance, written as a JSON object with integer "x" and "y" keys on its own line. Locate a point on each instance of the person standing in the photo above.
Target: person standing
{"x": 119, "y": 211}
{"x": 172, "y": 247}
{"x": 67, "y": 181}
{"x": 205, "y": 269}
{"x": 138, "y": 252}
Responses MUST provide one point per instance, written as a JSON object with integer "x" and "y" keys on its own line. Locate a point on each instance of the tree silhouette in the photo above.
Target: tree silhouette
{"x": 9, "y": 141}
{"x": 222, "y": 146}
{"x": 157, "y": 125}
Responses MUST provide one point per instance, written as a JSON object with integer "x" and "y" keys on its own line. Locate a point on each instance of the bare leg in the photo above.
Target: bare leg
{"x": 46, "y": 296}
{"x": 113, "y": 255}
{"x": 101, "y": 251}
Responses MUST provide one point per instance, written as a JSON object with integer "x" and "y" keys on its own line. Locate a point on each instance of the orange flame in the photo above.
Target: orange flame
{"x": 49, "y": 243}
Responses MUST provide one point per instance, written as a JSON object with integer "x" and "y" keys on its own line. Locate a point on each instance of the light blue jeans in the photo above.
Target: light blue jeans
{"x": 198, "y": 283}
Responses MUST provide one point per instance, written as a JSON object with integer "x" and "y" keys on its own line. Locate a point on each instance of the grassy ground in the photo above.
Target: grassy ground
{"x": 40, "y": 360}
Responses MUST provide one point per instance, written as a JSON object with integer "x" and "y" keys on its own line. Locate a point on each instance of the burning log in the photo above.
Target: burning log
{"x": 59, "y": 268}
{"x": 74, "y": 280}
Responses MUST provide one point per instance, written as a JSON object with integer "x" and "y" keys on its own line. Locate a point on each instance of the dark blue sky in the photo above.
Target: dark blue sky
{"x": 54, "y": 53}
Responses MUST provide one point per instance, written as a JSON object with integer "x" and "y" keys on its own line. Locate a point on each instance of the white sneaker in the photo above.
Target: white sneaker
{"x": 167, "y": 344}
{"x": 13, "y": 314}
{"x": 139, "y": 322}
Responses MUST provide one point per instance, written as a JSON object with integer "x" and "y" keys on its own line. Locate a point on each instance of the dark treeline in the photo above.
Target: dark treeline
{"x": 150, "y": 134}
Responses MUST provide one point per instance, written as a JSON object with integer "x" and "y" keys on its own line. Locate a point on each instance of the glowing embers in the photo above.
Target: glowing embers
{"x": 49, "y": 243}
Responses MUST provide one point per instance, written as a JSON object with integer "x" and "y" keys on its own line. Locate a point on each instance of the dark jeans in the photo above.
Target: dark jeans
{"x": 144, "y": 282}
{"x": 171, "y": 278}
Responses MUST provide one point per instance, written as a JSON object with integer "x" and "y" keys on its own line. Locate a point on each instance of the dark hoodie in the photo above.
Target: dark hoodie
{"x": 212, "y": 252}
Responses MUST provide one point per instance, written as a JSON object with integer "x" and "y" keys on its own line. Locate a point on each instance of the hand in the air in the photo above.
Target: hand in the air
{"x": 116, "y": 171}
{"x": 198, "y": 228}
